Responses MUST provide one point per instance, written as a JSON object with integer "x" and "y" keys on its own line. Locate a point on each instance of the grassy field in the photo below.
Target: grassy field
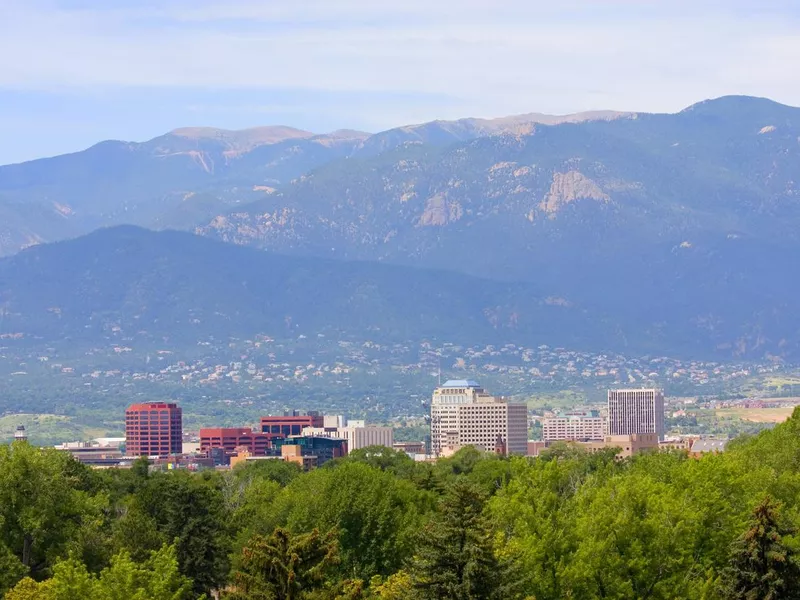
{"x": 781, "y": 381}
{"x": 757, "y": 415}
{"x": 44, "y": 429}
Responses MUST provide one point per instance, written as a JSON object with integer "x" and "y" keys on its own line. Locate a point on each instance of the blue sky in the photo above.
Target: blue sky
{"x": 73, "y": 72}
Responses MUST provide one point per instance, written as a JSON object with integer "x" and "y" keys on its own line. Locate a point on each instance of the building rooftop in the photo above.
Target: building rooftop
{"x": 152, "y": 406}
{"x": 703, "y": 446}
{"x": 465, "y": 383}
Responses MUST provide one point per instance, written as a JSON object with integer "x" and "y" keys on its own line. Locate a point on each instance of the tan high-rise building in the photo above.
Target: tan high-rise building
{"x": 636, "y": 411}
{"x": 463, "y": 414}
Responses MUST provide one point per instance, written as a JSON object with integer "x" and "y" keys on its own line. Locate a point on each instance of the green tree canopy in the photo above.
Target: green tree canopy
{"x": 375, "y": 514}
{"x": 189, "y": 511}
{"x": 46, "y": 498}
{"x": 763, "y": 566}
{"x": 158, "y": 578}
{"x": 284, "y": 566}
{"x": 455, "y": 557}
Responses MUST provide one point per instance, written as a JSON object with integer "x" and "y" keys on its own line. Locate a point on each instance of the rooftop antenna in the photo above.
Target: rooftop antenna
{"x": 440, "y": 369}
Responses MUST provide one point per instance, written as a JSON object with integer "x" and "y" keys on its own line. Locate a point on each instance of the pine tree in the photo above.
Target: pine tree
{"x": 455, "y": 558}
{"x": 284, "y": 566}
{"x": 763, "y": 567}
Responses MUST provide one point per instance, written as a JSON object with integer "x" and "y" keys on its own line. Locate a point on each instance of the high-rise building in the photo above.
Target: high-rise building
{"x": 636, "y": 411}
{"x": 230, "y": 438}
{"x": 153, "y": 429}
{"x": 464, "y": 414}
{"x": 575, "y": 427}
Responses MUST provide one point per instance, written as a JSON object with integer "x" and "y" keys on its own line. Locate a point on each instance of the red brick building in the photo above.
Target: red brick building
{"x": 283, "y": 427}
{"x": 153, "y": 429}
{"x": 230, "y": 438}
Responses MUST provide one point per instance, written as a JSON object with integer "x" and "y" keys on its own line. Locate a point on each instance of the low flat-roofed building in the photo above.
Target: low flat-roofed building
{"x": 294, "y": 453}
{"x": 628, "y": 444}
{"x": 323, "y": 448}
{"x": 680, "y": 445}
{"x": 230, "y": 438}
{"x": 93, "y": 455}
{"x": 707, "y": 446}
{"x": 535, "y": 447}
{"x": 281, "y": 427}
{"x": 584, "y": 426}
{"x": 410, "y": 448}
{"x": 358, "y": 436}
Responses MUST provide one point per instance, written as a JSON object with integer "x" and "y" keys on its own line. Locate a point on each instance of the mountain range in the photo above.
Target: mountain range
{"x": 676, "y": 232}
{"x": 189, "y": 175}
{"x": 125, "y": 282}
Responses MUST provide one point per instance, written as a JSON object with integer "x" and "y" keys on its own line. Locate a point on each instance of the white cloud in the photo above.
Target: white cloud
{"x": 491, "y": 58}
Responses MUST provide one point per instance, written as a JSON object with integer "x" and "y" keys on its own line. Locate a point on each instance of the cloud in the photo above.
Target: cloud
{"x": 488, "y": 57}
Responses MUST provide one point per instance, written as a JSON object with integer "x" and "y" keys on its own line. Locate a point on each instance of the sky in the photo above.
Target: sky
{"x": 74, "y": 72}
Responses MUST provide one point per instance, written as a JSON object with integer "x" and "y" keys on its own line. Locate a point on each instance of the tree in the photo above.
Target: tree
{"x": 45, "y": 500}
{"x": 375, "y": 515}
{"x": 398, "y": 586}
{"x": 140, "y": 471}
{"x": 136, "y": 532}
{"x": 386, "y": 459}
{"x": 284, "y": 566}
{"x": 11, "y": 568}
{"x": 189, "y": 511}
{"x": 634, "y": 538}
{"x": 763, "y": 566}
{"x": 455, "y": 558}
{"x": 157, "y": 578}
{"x": 279, "y": 471}
{"x": 535, "y": 512}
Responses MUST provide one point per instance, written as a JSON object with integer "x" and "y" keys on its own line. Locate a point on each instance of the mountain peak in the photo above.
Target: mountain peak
{"x": 242, "y": 140}
{"x": 546, "y": 119}
{"x": 739, "y": 106}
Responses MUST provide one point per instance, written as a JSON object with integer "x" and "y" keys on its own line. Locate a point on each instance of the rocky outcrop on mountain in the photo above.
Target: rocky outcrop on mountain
{"x": 569, "y": 187}
{"x": 440, "y": 211}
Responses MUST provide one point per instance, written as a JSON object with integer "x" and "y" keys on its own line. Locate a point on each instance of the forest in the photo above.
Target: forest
{"x": 378, "y": 526}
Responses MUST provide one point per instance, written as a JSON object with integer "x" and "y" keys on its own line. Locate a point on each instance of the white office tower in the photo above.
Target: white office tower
{"x": 463, "y": 414}
{"x": 20, "y": 435}
{"x": 636, "y": 411}
{"x": 361, "y": 437}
